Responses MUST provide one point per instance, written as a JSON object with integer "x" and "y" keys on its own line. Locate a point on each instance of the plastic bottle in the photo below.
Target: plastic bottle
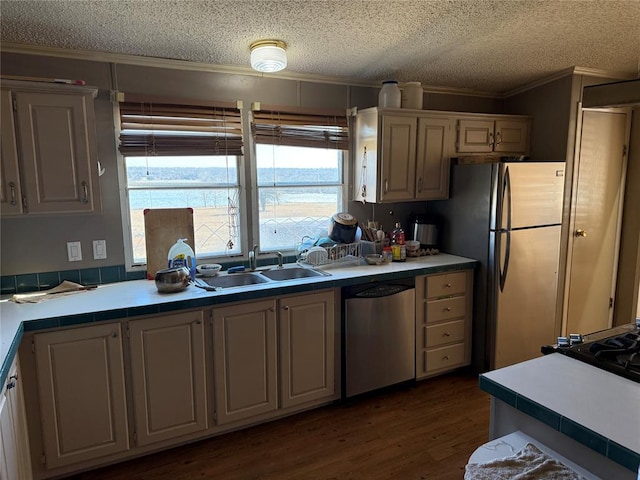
{"x": 182, "y": 255}
{"x": 390, "y": 95}
{"x": 412, "y": 95}
{"x": 398, "y": 244}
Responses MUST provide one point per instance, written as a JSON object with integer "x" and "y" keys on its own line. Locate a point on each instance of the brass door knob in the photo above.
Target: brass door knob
{"x": 580, "y": 233}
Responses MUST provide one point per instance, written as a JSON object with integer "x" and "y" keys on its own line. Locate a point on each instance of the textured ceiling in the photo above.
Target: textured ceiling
{"x": 484, "y": 45}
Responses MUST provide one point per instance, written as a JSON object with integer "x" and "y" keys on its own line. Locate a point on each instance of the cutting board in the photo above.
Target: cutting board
{"x": 162, "y": 228}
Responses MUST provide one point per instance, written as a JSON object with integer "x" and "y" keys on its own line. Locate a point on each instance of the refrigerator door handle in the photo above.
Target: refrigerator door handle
{"x": 506, "y": 194}
{"x": 504, "y": 269}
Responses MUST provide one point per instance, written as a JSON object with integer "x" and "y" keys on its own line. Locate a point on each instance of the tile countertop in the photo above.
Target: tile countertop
{"x": 582, "y": 401}
{"x": 140, "y": 297}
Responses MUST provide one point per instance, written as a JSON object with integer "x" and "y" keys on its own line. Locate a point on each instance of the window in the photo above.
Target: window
{"x": 179, "y": 154}
{"x": 299, "y": 173}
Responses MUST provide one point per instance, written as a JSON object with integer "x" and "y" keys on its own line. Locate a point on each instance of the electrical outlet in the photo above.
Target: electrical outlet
{"x": 99, "y": 249}
{"x": 74, "y": 251}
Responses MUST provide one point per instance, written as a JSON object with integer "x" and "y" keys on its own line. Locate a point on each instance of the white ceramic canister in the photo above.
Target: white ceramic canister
{"x": 412, "y": 95}
{"x": 390, "y": 95}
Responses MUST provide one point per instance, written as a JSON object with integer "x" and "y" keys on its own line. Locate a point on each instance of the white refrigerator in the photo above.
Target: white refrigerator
{"x": 508, "y": 215}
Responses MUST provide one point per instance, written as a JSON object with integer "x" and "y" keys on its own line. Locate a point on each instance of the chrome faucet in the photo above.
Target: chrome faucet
{"x": 279, "y": 254}
{"x": 253, "y": 257}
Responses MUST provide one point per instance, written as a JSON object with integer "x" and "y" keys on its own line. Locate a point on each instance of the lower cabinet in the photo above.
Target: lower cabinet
{"x": 245, "y": 360}
{"x": 81, "y": 386}
{"x": 251, "y": 355}
{"x": 168, "y": 371}
{"x": 94, "y": 398}
{"x": 443, "y": 322}
{"x": 307, "y": 330}
{"x": 15, "y": 463}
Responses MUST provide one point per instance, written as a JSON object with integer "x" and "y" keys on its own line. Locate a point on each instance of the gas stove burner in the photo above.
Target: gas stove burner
{"x": 617, "y": 351}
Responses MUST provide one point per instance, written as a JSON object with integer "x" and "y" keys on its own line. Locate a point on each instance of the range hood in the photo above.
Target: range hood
{"x": 615, "y": 94}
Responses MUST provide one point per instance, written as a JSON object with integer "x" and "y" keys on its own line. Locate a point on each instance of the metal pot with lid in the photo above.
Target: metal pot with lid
{"x": 343, "y": 227}
{"x": 172, "y": 279}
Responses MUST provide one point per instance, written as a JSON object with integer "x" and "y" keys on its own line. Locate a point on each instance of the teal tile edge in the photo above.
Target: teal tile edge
{"x": 608, "y": 448}
{"x": 8, "y": 360}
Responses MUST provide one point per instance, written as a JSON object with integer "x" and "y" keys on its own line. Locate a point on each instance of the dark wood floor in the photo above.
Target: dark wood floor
{"x": 423, "y": 431}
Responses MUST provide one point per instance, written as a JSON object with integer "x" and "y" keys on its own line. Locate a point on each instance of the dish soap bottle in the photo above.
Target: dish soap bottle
{"x": 182, "y": 255}
{"x": 398, "y": 244}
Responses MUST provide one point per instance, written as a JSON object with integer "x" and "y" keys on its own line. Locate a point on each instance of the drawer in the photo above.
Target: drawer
{"x": 446, "y": 309}
{"x": 441, "y": 334}
{"x": 446, "y": 284}
{"x": 445, "y": 357}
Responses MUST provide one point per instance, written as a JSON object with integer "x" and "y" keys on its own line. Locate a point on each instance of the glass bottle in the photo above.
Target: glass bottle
{"x": 390, "y": 95}
{"x": 398, "y": 244}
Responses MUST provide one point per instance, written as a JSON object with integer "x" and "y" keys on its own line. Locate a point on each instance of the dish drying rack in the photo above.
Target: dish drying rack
{"x": 339, "y": 254}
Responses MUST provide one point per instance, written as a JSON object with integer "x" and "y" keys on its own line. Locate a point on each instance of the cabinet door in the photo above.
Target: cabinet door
{"x": 307, "y": 329}
{"x": 56, "y": 145}
{"x": 10, "y": 191}
{"x": 245, "y": 360}
{"x": 432, "y": 158}
{"x": 475, "y": 136}
{"x": 168, "y": 372}
{"x": 8, "y": 442}
{"x": 15, "y": 401}
{"x": 512, "y": 135}
{"x": 397, "y": 177}
{"x": 82, "y": 396}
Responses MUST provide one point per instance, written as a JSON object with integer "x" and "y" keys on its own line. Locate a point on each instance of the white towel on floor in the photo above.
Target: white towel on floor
{"x": 528, "y": 464}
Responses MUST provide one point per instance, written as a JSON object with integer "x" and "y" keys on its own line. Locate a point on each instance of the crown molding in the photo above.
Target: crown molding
{"x": 157, "y": 62}
{"x": 591, "y": 72}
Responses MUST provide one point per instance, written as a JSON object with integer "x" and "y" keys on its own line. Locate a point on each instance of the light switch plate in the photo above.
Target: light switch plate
{"x": 74, "y": 251}
{"x": 99, "y": 249}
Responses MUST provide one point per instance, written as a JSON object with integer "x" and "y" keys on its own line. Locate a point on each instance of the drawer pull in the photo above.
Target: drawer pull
{"x": 448, "y": 309}
{"x": 448, "y": 285}
{"x": 446, "y": 357}
{"x": 446, "y": 334}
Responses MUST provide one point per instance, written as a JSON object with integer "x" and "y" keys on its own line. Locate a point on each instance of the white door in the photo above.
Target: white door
{"x": 593, "y": 247}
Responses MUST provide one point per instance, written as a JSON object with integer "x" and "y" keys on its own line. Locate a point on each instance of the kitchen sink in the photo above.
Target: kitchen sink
{"x": 233, "y": 280}
{"x": 291, "y": 273}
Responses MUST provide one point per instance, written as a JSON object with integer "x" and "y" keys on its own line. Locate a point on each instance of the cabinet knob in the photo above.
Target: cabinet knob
{"x": 498, "y": 138}
{"x": 286, "y": 307}
{"x": 448, "y": 309}
{"x": 446, "y": 334}
{"x": 447, "y": 285}
{"x": 446, "y": 357}
{"x": 85, "y": 192}
{"x": 12, "y": 186}
{"x": 198, "y": 322}
{"x": 580, "y": 233}
{"x": 114, "y": 334}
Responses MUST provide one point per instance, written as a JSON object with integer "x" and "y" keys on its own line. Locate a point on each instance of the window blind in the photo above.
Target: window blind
{"x": 297, "y": 127}
{"x": 164, "y": 126}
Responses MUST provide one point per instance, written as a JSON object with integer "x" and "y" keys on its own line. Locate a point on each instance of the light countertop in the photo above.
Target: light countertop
{"x": 140, "y": 297}
{"x": 568, "y": 392}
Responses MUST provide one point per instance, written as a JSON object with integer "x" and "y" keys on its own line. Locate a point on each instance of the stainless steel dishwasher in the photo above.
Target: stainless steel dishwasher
{"x": 379, "y": 326}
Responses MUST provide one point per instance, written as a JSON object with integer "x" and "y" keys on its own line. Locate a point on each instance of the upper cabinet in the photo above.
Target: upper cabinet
{"x": 402, "y": 155}
{"x": 488, "y": 134}
{"x": 49, "y": 154}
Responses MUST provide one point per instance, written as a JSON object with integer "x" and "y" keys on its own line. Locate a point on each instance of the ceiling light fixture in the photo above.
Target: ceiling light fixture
{"x": 268, "y": 55}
